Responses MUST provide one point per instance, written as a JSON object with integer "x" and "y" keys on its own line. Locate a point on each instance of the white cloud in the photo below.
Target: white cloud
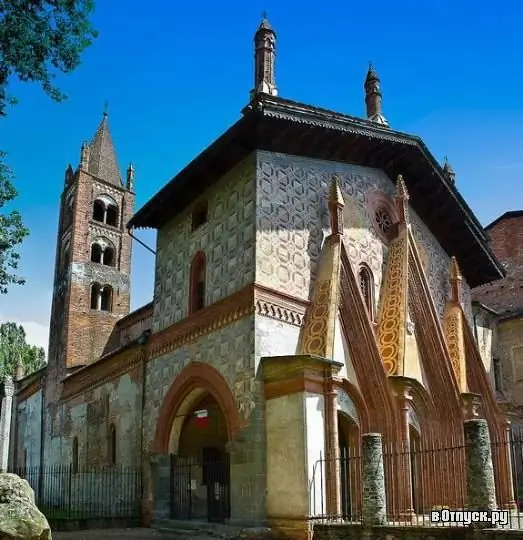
{"x": 35, "y": 333}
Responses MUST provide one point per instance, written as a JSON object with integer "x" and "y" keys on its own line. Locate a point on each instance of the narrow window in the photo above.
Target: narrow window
{"x": 197, "y": 283}
{"x": 64, "y": 263}
{"x": 74, "y": 455}
{"x": 98, "y": 211}
{"x": 367, "y": 289}
{"x": 199, "y": 215}
{"x": 111, "y": 217}
{"x": 112, "y": 445}
{"x": 108, "y": 258}
{"x": 106, "y": 298}
{"x": 96, "y": 253}
{"x": 96, "y": 296}
{"x": 498, "y": 384}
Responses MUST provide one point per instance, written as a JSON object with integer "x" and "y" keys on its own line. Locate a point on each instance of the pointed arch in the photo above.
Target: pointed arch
{"x": 196, "y": 376}
{"x": 197, "y": 282}
{"x": 366, "y": 283}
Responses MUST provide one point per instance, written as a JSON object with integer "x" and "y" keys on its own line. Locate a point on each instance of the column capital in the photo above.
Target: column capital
{"x": 471, "y": 404}
{"x": 285, "y": 375}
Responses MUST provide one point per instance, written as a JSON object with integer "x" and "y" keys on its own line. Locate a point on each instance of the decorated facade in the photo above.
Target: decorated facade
{"x": 312, "y": 284}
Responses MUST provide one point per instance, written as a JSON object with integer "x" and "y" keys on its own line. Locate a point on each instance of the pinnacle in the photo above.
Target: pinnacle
{"x": 335, "y": 195}
{"x": 455, "y": 272}
{"x": 401, "y": 189}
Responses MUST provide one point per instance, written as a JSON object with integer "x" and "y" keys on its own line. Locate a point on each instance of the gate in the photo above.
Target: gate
{"x": 200, "y": 487}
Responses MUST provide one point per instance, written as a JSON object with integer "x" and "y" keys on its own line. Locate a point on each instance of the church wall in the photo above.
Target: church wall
{"x": 509, "y": 349}
{"x": 292, "y": 219}
{"x": 28, "y": 431}
{"x": 89, "y": 416}
{"x": 230, "y": 350}
{"x": 484, "y": 332}
{"x": 227, "y": 239}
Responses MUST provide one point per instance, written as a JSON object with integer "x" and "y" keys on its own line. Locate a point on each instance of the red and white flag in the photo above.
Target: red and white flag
{"x": 202, "y": 418}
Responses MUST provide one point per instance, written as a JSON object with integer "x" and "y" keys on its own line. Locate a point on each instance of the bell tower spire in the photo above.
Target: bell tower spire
{"x": 264, "y": 59}
{"x": 373, "y": 97}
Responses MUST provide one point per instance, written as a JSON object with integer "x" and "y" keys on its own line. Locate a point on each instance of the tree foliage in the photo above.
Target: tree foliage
{"x": 38, "y": 40}
{"x": 15, "y": 351}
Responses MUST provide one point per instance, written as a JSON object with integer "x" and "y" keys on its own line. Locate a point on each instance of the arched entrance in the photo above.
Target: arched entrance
{"x": 200, "y": 468}
{"x": 198, "y": 419}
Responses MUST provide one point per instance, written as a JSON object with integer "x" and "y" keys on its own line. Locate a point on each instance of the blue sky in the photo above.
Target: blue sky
{"x": 177, "y": 74}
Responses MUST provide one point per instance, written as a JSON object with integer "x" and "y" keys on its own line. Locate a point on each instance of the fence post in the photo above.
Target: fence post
{"x": 374, "y": 507}
{"x": 481, "y": 490}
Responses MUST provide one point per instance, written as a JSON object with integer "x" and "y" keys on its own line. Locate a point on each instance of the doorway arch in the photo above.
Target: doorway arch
{"x": 197, "y": 420}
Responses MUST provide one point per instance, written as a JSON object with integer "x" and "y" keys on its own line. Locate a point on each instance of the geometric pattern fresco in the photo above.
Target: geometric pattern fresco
{"x": 292, "y": 221}
{"x": 227, "y": 239}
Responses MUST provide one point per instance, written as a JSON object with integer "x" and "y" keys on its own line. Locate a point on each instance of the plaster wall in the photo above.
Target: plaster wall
{"x": 509, "y": 348}
{"x": 28, "y": 430}
{"x": 227, "y": 239}
{"x": 89, "y": 417}
{"x": 292, "y": 219}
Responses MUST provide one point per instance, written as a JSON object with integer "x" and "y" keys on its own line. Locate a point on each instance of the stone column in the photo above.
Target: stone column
{"x": 332, "y": 452}
{"x": 298, "y": 407}
{"x": 481, "y": 490}
{"x": 161, "y": 487}
{"x": 374, "y": 505}
{"x": 5, "y": 422}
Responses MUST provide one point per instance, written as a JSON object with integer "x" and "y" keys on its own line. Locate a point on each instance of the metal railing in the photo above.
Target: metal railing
{"x": 63, "y": 492}
{"x": 418, "y": 481}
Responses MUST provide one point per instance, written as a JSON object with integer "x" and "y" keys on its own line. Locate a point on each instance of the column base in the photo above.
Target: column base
{"x": 407, "y": 515}
{"x": 290, "y": 528}
{"x": 510, "y": 505}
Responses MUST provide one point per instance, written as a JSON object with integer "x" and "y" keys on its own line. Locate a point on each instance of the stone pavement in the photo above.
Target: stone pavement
{"x": 112, "y": 534}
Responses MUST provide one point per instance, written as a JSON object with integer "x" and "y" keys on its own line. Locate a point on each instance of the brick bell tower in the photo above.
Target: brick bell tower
{"x": 93, "y": 255}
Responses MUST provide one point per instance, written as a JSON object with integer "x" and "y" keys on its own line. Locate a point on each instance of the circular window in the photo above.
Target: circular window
{"x": 383, "y": 220}
{"x": 383, "y": 214}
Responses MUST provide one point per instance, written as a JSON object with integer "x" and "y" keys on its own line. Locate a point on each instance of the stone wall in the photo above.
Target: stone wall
{"x": 89, "y": 418}
{"x": 292, "y": 219}
{"x": 28, "y": 431}
{"x": 230, "y": 350}
{"x": 509, "y": 349}
{"x": 227, "y": 239}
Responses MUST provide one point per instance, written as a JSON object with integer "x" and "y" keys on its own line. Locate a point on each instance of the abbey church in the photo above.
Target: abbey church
{"x": 313, "y": 284}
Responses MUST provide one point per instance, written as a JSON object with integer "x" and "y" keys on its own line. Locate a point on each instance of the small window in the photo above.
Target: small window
{"x": 74, "y": 455}
{"x": 367, "y": 289}
{"x": 96, "y": 295}
{"x": 112, "y": 445}
{"x": 107, "y": 298}
{"x": 199, "y": 215}
{"x": 98, "y": 211}
{"x": 111, "y": 215}
{"x": 197, "y": 283}
{"x": 96, "y": 253}
{"x": 383, "y": 220}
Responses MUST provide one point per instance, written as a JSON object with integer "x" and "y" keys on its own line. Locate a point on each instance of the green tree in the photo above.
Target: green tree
{"x": 14, "y": 350}
{"x": 38, "y": 40}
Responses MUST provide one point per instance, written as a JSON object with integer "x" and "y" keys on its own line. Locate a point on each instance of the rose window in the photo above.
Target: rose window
{"x": 383, "y": 220}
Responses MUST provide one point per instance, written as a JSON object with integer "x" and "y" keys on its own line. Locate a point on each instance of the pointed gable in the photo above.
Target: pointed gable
{"x": 102, "y": 156}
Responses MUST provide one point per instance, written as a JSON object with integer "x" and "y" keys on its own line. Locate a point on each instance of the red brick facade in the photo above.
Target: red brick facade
{"x": 506, "y": 234}
{"x": 91, "y": 294}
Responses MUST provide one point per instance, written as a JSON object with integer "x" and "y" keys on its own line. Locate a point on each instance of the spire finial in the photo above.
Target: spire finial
{"x": 449, "y": 171}
{"x": 373, "y": 97}
{"x": 264, "y": 59}
{"x": 402, "y": 199}
{"x": 106, "y": 107}
{"x": 455, "y": 280}
{"x": 336, "y": 204}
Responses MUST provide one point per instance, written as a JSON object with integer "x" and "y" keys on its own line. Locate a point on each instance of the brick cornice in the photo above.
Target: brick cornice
{"x": 251, "y": 299}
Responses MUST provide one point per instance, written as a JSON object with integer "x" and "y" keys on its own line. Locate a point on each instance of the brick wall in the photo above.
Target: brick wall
{"x": 506, "y": 295}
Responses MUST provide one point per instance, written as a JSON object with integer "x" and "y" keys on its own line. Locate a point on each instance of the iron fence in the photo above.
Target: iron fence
{"x": 64, "y": 492}
{"x": 200, "y": 487}
{"x": 418, "y": 481}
